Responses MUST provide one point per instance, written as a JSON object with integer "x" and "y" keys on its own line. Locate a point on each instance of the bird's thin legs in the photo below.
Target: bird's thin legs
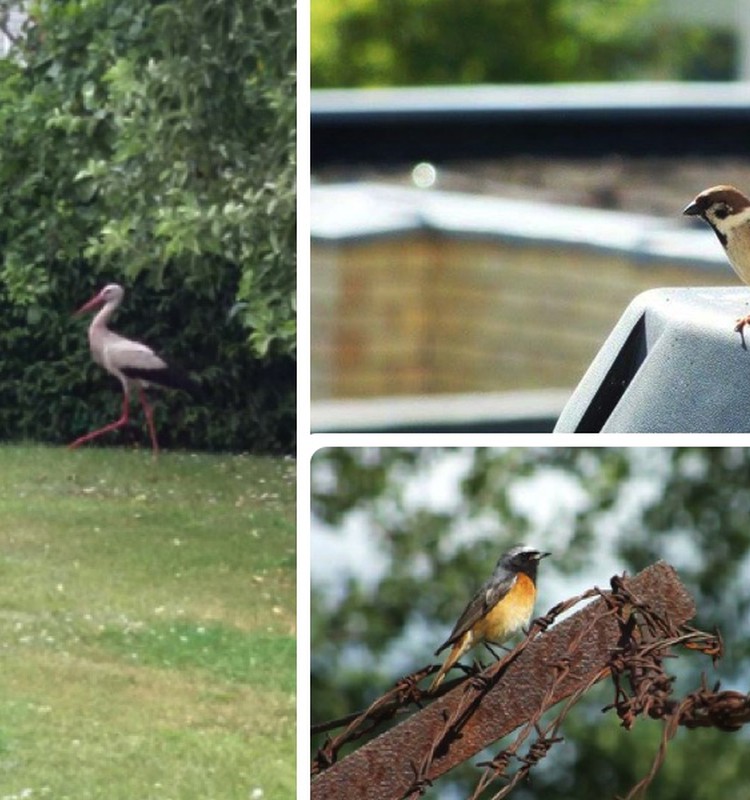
{"x": 147, "y": 410}
{"x": 111, "y": 427}
{"x": 496, "y": 655}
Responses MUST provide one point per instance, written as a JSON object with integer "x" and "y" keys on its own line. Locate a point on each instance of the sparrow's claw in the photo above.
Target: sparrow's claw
{"x": 740, "y": 328}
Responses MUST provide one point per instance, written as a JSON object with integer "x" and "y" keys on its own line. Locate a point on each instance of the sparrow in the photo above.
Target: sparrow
{"x": 727, "y": 211}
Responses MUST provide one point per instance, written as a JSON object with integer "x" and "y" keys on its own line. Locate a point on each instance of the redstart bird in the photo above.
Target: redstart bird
{"x": 501, "y": 608}
{"x": 727, "y": 211}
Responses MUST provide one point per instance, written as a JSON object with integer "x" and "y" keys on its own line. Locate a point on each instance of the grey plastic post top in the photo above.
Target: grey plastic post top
{"x": 672, "y": 364}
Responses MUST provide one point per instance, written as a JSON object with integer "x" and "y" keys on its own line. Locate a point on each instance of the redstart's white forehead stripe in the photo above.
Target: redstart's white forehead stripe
{"x": 519, "y": 549}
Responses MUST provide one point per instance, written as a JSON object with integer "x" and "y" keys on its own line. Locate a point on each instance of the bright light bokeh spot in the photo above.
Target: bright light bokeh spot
{"x": 424, "y": 175}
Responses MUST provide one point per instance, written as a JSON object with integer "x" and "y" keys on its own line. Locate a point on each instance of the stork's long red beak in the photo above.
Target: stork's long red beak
{"x": 95, "y": 301}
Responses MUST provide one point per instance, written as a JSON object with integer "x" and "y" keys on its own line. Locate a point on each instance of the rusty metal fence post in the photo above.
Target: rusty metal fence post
{"x": 479, "y": 712}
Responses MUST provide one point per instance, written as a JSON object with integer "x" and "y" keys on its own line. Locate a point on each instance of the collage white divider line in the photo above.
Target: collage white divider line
{"x": 304, "y": 444}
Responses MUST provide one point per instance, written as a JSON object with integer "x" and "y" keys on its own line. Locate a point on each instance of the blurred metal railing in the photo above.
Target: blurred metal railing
{"x": 389, "y": 126}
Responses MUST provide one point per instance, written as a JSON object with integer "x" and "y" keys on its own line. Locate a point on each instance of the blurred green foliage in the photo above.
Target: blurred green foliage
{"x": 689, "y": 506}
{"x": 152, "y": 144}
{"x": 424, "y": 42}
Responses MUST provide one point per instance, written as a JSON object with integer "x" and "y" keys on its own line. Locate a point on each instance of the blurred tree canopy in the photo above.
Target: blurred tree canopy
{"x": 153, "y": 143}
{"x": 403, "y": 42}
{"x": 434, "y": 533}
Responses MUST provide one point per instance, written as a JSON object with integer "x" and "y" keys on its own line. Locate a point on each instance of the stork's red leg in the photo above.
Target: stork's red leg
{"x": 111, "y": 427}
{"x": 147, "y": 410}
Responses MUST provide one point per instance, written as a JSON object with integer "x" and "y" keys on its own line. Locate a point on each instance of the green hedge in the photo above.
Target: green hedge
{"x": 51, "y": 390}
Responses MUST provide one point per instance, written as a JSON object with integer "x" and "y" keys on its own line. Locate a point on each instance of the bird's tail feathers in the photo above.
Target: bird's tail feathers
{"x": 456, "y": 653}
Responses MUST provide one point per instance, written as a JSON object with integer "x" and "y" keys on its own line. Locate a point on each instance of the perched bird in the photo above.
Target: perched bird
{"x": 132, "y": 363}
{"x": 727, "y": 211}
{"x": 501, "y": 608}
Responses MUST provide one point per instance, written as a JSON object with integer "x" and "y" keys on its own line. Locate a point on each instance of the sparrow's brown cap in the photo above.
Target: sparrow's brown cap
{"x": 731, "y": 197}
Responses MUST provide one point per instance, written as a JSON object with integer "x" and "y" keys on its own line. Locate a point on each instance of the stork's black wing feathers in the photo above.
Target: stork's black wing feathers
{"x": 171, "y": 377}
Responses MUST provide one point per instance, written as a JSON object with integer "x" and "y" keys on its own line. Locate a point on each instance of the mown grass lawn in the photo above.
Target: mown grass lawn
{"x": 147, "y": 625}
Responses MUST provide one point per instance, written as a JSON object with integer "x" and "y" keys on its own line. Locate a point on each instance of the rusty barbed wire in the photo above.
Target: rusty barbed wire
{"x": 705, "y": 707}
{"x": 546, "y": 736}
{"x": 499, "y": 765}
{"x": 646, "y": 639}
{"x": 406, "y": 693}
{"x": 635, "y": 664}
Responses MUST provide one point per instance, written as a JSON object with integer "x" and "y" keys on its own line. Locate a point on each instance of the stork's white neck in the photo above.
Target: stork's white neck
{"x": 104, "y": 314}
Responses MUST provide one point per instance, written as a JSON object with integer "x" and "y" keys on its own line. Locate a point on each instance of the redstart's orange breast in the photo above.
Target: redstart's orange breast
{"x": 502, "y": 607}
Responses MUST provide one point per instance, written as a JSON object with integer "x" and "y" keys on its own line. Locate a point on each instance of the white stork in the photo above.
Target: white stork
{"x": 132, "y": 363}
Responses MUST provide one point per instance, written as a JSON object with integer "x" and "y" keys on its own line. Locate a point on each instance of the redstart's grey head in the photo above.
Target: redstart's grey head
{"x": 521, "y": 558}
